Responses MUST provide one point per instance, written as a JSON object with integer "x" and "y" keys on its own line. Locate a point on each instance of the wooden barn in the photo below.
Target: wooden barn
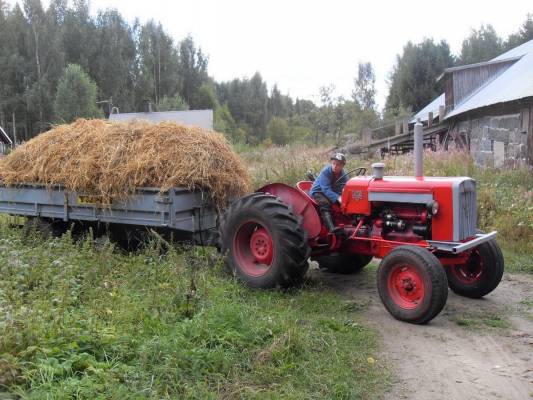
{"x": 488, "y": 108}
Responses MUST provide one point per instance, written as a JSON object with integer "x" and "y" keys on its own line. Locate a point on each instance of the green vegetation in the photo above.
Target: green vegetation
{"x": 526, "y": 307}
{"x": 82, "y": 320}
{"x": 76, "y": 96}
{"x": 414, "y": 77}
{"x": 479, "y": 322}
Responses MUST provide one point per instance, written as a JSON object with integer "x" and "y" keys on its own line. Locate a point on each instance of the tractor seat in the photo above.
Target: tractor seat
{"x": 305, "y": 187}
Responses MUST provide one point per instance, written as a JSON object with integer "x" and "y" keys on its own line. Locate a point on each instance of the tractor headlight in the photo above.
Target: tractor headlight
{"x": 433, "y": 207}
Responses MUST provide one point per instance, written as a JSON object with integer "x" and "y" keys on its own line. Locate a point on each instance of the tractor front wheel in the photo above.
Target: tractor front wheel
{"x": 343, "y": 263}
{"x": 264, "y": 241}
{"x": 481, "y": 274}
{"x": 412, "y": 284}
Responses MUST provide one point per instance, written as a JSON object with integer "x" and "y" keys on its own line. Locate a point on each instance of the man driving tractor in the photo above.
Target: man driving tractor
{"x": 327, "y": 187}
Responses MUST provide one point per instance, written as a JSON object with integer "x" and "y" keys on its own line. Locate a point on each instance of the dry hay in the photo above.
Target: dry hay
{"x": 110, "y": 160}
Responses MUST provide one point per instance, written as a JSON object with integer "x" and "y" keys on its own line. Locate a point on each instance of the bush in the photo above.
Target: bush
{"x": 278, "y": 131}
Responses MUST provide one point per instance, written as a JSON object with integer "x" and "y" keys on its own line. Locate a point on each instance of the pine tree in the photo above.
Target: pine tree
{"x": 481, "y": 45}
{"x": 76, "y": 96}
{"x": 413, "y": 82}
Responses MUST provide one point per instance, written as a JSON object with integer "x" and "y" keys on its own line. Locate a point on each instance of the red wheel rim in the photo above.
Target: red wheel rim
{"x": 471, "y": 271}
{"x": 253, "y": 249}
{"x": 406, "y": 286}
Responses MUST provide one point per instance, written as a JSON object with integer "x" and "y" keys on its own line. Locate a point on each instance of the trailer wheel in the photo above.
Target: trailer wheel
{"x": 343, "y": 263}
{"x": 481, "y": 274}
{"x": 264, "y": 241}
{"x": 412, "y": 284}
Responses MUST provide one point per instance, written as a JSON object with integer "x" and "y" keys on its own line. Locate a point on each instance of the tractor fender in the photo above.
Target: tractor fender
{"x": 301, "y": 205}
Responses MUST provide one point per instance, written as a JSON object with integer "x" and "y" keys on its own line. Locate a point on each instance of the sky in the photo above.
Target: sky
{"x": 303, "y": 45}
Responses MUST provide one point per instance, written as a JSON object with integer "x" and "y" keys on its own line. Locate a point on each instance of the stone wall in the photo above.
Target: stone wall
{"x": 497, "y": 140}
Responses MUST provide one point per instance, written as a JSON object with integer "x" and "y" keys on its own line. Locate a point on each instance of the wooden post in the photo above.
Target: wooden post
{"x": 405, "y": 125}
{"x": 441, "y": 113}
{"x": 430, "y": 119}
{"x": 398, "y": 127}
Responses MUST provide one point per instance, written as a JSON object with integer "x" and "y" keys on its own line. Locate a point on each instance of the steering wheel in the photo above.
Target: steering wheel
{"x": 359, "y": 171}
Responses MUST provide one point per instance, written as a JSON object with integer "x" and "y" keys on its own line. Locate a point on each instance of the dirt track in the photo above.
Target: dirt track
{"x": 475, "y": 349}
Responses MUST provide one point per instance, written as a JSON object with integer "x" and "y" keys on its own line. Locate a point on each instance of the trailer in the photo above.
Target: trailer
{"x": 185, "y": 215}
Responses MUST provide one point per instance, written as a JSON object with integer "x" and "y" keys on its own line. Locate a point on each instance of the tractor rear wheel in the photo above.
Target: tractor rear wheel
{"x": 265, "y": 243}
{"x": 343, "y": 263}
{"x": 412, "y": 284}
{"x": 481, "y": 274}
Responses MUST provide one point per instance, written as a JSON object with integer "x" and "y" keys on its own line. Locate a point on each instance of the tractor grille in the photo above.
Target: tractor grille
{"x": 466, "y": 211}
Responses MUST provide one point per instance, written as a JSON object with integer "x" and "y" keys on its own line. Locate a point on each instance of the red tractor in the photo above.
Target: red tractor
{"x": 423, "y": 230}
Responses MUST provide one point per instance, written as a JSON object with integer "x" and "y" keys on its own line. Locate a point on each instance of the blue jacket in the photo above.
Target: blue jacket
{"x": 325, "y": 183}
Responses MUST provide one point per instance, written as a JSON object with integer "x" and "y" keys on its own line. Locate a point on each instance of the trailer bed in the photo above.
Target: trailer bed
{"x": 177, "y": 209}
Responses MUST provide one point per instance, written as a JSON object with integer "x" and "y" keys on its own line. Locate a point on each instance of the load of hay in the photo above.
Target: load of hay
{"x": 109, "y": 160}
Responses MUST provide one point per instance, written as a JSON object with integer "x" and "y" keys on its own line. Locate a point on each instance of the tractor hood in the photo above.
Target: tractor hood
{"x": 456, "y": 196}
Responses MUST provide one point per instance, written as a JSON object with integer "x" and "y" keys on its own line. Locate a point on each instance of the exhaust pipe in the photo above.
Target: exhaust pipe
{"x": 418, "y": 150}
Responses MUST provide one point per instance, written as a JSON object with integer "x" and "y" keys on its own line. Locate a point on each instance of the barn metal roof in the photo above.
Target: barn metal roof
{"x": 201, "y": 118}
{"x": 431, "y": 107}
{"x": 515, "y": 83}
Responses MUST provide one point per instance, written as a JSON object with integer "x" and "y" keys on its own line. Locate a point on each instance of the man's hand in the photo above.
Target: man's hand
{"x": 339, "y": 200}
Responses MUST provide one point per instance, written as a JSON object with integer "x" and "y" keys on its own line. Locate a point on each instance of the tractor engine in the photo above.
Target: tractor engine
{"x": 399, "y": 222}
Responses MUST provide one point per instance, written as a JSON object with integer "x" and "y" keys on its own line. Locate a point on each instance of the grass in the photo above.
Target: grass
{"x": 85, "y": 321}
{"x": 505, "y": 196}
{"x": 525, "y": 307}
{"x": 479, "y": 321}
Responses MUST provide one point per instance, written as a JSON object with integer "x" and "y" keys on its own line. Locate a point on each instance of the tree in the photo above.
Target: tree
{"x": 205, "y": 98}
{"x": 481, "y": 45}
{"x": 158, "y": 74}
{"x": 14, "y": 69}
{"x": 247, "y": 100}
{"x": 225, "y": 123}
{"x": 413, "y": 81}
{"x": 365, "y": 91}
{"x": 114, "y": 62}
{"x": 278, "y": 131}
{"x": 79, "y": 37}
{"x": 44, "y": 44}
{"x": 192, "y": 70}
{"x": 76, "y": 96}
{"x": 174, "y": 103}
{"x": 524, "y": 34}
{"x": 278, "y": 104}
{"x": 324, "y": 117}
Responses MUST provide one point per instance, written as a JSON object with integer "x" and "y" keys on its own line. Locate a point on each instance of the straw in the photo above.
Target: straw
{"x": 109, "y": 160}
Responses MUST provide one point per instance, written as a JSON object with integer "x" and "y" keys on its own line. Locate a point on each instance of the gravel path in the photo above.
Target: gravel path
{"x": 475, "y": 349}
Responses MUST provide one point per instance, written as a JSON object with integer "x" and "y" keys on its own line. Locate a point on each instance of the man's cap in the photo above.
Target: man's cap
{"x": 338, "y": 157}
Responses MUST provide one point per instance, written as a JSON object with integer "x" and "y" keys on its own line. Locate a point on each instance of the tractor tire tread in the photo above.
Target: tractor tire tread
{"x": 288, "y": 227}
{"x": 436, "y": 274}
